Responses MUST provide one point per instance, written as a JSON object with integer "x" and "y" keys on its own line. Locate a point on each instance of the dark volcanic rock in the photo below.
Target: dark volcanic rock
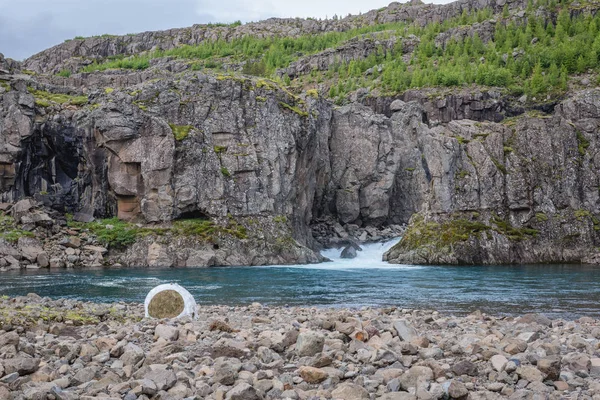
{"x": 349, "y": 252}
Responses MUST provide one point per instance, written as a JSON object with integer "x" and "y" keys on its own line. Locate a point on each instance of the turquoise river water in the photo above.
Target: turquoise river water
{"x": 567, "y": 291}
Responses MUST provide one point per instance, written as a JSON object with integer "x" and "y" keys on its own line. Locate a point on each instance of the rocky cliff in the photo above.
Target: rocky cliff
{"x": 481, "y": 175}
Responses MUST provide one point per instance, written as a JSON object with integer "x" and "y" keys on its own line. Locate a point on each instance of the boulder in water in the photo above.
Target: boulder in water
{"x": 349, "y": 252}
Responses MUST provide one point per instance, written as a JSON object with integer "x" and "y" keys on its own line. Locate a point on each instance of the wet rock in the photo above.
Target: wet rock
{"x": 349, "y": 252}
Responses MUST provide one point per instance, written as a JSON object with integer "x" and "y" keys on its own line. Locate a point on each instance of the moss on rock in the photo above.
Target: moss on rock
{"x": 439, "y": 235}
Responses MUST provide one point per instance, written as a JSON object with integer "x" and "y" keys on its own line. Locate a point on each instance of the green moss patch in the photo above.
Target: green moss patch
{"x": 439, "y": 235}
{"x": 225, "y": 172}
{"x": 111, "y": 232}
{"x": 582, "y": 144}
{"x": 181, "y": 131}
{"x": 45, "y": 99}
{"x": 504, "y": 227}
{"x": 541, "y": 217}
{"x": 294, "y": 109}
{"x": 9, "y": 231}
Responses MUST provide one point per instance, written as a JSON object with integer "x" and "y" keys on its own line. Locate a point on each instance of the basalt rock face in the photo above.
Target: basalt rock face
{"x": 523, "y": 191}
{"x": 480, "y": 179}
{"x": 189, "y": 148}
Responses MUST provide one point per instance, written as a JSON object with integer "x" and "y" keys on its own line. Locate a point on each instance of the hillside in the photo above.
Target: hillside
{"x": 473, "y": 122}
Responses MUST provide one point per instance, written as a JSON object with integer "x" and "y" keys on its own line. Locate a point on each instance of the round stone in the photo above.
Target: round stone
{"x": 170, "y": 301}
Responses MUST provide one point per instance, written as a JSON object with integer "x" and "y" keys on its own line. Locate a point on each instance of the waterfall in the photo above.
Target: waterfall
{"x": 370, "y": 257}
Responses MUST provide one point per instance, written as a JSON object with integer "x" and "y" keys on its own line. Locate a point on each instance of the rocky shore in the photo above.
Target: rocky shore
{"x": 33, "y": 237}
{"x": 66, "y": 349}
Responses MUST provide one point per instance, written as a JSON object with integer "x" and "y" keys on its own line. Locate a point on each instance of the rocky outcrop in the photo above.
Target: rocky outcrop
{"x": 523, "y": 191}
{"x": 76, "y": 53}
{"x": 356, "y": 49}
{"x": 484, "y": 31}
{"x": 199, "y": 147}
{"x": 223, "y": 147}
{"x": 442, "y": 106}
{"x": 7, "y": 66}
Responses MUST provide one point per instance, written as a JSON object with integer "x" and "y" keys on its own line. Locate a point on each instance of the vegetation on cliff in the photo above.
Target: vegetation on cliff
{"x": 424, "y": 233}
{"x": 9, "y": 230}
{"x": 116, "y": 233}
{"x": 533, "y": 54}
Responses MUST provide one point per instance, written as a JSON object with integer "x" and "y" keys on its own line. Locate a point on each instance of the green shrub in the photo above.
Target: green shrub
{"x": 111, "y": 232}
{"x": 9, "y": 230}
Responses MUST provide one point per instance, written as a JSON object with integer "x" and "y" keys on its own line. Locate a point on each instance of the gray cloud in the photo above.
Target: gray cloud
{"x": 30, "y": 26}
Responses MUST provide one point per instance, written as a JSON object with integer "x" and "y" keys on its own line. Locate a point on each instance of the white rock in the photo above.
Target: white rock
{"x": 498, "y": 362}
{"x": 166, "y": 332}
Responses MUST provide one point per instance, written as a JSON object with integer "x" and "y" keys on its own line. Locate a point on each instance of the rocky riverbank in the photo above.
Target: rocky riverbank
{"x": 33, "y": 236}
{"x": 65, "y": 349}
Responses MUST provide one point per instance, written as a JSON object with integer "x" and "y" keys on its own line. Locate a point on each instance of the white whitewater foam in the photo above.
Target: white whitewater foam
{"x": 122, "y": 282}
{"x": 371, "y": 257}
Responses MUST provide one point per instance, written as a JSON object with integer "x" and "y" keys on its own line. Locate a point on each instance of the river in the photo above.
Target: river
{"x": 567, "y": 291}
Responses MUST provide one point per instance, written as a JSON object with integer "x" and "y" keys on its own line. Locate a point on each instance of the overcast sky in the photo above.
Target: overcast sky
{"x": 30, "y": 26}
